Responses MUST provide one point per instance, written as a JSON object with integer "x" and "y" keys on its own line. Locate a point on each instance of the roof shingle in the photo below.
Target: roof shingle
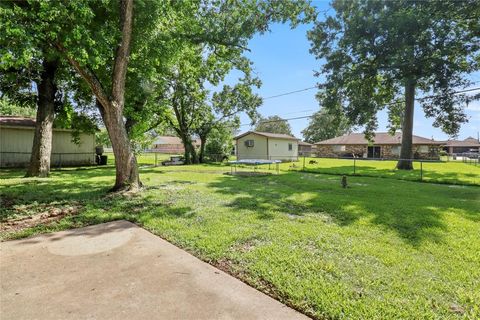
{"x": 380, "y": 138}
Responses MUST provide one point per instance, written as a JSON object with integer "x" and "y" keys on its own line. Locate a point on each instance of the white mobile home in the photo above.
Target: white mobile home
{"x": 16, "y": 140}
{"x": 265, "y": 145}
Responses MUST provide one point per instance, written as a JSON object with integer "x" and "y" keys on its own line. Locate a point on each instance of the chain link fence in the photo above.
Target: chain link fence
{"x": 462, "y": 170}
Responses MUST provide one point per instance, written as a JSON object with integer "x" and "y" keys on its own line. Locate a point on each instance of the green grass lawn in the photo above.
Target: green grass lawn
{"x": 380, "y": 249}
{"x": 449, "y": 172}
{"x": 453, "y": 172}
{"x": 143, "y": 159}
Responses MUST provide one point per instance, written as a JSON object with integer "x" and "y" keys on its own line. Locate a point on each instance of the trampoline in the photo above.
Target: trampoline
{"x": 255, "y": 163}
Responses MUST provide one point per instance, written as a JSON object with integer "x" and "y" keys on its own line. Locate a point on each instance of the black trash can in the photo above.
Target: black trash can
{"x": 103, "y": 160}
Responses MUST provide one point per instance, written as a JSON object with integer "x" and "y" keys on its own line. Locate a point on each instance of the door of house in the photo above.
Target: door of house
{"x": 373, "y": 152}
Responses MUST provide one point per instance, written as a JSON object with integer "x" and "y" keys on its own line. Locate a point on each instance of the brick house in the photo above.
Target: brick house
{"x": 384, "y": 146}
{"x": 171, "y": 145}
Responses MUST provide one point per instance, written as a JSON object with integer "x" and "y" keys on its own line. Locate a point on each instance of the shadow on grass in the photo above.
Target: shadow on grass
{"x": 414, "y": 211}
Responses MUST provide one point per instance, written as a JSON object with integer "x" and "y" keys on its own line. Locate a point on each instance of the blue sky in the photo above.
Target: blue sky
{"x": 283, "y": 63}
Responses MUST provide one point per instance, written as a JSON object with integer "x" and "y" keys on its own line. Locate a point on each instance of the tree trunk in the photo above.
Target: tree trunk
{"x": 111, "y": 105}
{"x": 201, "y": 156}
{"x": 190, "y": 152}
{"x": 42, "y": 139}
{"x": 127, "y": 175}
{"x": 407, "y": 128}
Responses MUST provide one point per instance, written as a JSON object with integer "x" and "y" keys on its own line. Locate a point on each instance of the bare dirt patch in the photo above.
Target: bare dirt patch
{"x": 48, "y": 214}
{"x": 6, "y": 202}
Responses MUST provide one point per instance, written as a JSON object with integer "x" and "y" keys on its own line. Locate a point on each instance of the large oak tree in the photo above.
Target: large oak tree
{"x": 28, "y": 72}
{"x": 378, "y": 51}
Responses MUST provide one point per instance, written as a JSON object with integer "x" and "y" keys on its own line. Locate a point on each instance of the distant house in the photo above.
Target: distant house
{"x": 384, "y": 146}
{"x": 16, "y": 141}
{"x": 171, "y": 145}
{"x": 461, "y": 146}
{"x": 305, "y": 148}
{"x": 265, "y": 145}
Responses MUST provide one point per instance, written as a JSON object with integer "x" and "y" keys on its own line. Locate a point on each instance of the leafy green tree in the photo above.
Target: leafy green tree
{"x": 377, "y": 51}
{"x": 273, "y": 124}
{"x": 323, "y": 126}
{"x": 8, "y": 108}
{"x": 220, "y": 143}
{"x": 34, "y": 76}
{"x": 102, "y": 138}
{"x": 26, "y": 60}
{"x": 213, "y": 44}
{"x": 222, "y": 112}
{"x": 122, "y": 50}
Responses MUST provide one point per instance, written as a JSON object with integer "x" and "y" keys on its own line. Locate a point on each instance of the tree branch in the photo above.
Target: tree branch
{"x": 123, "y": 52}
{"x": 88, "y": 75}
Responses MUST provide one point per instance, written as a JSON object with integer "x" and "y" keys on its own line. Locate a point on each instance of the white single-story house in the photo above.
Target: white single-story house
{"x": 16, "y": 140}
{"x": 265, "y": 145}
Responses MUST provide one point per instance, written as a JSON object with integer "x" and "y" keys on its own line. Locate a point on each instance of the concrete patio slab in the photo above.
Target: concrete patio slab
{"x": 118, "y": 270}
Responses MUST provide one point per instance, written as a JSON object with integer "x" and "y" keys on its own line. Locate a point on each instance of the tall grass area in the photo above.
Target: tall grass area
{"x": 379, "y": 249}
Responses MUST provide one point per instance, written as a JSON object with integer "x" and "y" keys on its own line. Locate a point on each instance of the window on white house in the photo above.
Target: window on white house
{"x": 339, "y": 148}
{"x": 422, "y": 149}
{"x": 290, "y": 147}
{"x": 249, "y": 143}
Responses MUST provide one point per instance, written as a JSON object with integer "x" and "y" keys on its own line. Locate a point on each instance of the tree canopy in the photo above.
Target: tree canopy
{"x": 323, "y": 126}
{"x": 273, "y": 124}
{"x": 123, "y": 54}
{"x": 377, "y": 51}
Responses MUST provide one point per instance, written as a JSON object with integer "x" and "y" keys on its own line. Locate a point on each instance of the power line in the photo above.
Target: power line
{"x": 282, "y": 120}
{"x": 315, "y": 87}
{"x": 309, "y": 116}
{"x": 288, "y": 93}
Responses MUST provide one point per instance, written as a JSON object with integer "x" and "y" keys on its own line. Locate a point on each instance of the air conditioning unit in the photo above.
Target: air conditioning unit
{"x": 248, "y": 143}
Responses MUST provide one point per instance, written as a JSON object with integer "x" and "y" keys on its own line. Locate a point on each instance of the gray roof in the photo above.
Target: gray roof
{"x": 469, "y": 142}
{"x": 304, "y": 143}
{"x": 17, "y": 121}
{"x": 268, "y": 134}
{"x": 164, "y": 140}
{"x": 380, "y": 138}
{"x": 168, "y": 140}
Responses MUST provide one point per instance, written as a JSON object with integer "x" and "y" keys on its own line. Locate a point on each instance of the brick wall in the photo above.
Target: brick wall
{"x": 387, "y": 151}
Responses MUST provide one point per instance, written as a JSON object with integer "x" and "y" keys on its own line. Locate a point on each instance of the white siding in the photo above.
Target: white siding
{"x": 266, "y": 148}
{"x": 258, "y": 151}
{"x": 278, "y": 149}
{"x": 16, "y": 147}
